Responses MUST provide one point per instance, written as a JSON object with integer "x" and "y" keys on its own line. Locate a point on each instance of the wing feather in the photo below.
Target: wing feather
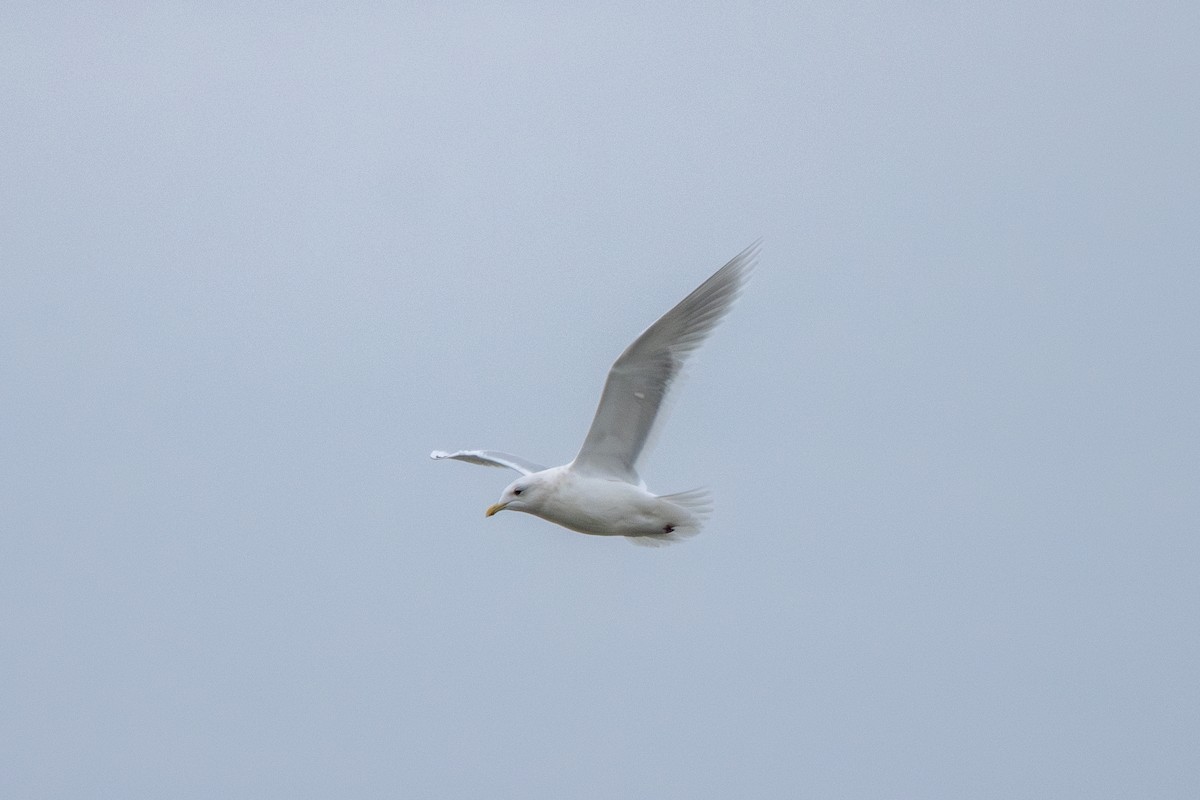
{"x": 640, "y": 378}
{"x": 491, "y": 458}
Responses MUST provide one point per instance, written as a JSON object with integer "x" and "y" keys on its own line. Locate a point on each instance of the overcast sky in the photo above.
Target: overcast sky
{"x": 256, "y": 264}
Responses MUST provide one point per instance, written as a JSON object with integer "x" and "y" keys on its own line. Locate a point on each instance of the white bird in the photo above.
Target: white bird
{"x": 600, "y": 492}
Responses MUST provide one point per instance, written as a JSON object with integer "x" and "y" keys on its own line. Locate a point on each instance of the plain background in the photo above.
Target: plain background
{"x": 256, "y": 263}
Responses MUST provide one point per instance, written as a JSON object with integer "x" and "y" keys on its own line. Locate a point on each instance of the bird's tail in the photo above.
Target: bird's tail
{"x": 696, "y": 505}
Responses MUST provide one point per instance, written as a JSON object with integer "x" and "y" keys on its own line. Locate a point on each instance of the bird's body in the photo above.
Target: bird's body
{"x": 600, "y": 492}
{"x": 606, "y": 507}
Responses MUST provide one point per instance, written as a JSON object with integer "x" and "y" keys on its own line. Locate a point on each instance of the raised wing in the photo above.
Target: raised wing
{"x": 640, "y": 377}
{"x": 492, "y": 458}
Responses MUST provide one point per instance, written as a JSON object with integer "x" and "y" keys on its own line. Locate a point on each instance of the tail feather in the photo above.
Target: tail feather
{"x": 696, "y": 503}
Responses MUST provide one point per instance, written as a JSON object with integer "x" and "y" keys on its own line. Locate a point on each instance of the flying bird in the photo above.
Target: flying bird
{"x": 600, "y": 492}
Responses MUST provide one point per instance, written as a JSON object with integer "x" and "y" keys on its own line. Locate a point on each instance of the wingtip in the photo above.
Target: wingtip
{"x": 748, "y": 258}
{"x": 739, "y": 269}
{"x": 736, "y": 274}
{"x": 439, "y": 454}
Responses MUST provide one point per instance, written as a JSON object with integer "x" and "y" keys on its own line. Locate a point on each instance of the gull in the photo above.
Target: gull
{"x": 600, "y": 492}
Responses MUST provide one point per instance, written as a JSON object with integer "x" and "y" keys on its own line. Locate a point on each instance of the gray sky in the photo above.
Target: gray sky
{"x": 255, "y": 265}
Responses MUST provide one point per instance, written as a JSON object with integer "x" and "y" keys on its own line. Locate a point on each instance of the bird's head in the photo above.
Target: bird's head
{"x": 522, "y": 494}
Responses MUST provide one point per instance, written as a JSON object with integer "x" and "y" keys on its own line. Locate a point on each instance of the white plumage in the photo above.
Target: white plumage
{"x": 600, "y": 492}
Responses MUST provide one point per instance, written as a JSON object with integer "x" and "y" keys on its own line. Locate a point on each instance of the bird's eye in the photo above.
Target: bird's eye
{"x": 518, "y": 492}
